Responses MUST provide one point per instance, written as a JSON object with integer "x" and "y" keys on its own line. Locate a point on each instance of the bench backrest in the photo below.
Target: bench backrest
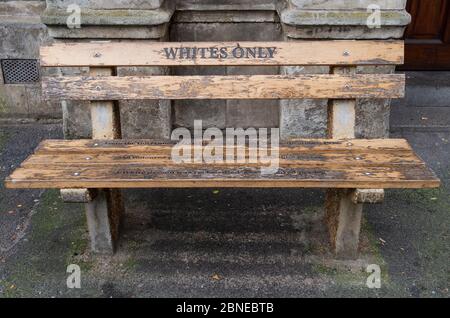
{"x": 306, "y": 53}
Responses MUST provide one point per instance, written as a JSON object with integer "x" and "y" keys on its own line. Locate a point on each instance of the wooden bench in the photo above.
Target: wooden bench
{"x": 353, "y": 171}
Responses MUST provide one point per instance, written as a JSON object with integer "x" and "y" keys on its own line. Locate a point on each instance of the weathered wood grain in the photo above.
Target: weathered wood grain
{"x": 212, "y": 53}
{"x": 161, "y": 177}
{"x": 83, "y": 146}
{"x": 287, "y": 157}
{"x": 332, "y": 167}
{"x": 225, "y": 87}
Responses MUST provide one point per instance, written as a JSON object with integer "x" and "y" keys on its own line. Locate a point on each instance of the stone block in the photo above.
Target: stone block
{"x": 211, "y": 112}
{"x": 76, "y": 120}
{"x": 343, "y": 32}
{"x": 13, "y": 101}
{"x": 110, "y": 17}
{"x": 304, "y": 118}
{"x": 342, "y": 17}
{"x": 107, "y": 4}
{"x": 225, "y": 16}
{"x": 348, "y": 4}
{"x": 372, "y": 115}
{"x": 145, "y": 118}
{"x": 22, "y": 41}
{"x": 339, "y": 20}
{"x": 222, "y": 5}
{"x": 225, "y": 32}
{"x": 222, "y": 114}
{"x": 117, "y": 23}
{"x": 252, "y": 113}
{"x": 40, "y": 108}
{"x": 109, "y": 32}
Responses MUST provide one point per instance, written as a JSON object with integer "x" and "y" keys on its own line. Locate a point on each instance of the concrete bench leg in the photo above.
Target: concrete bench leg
{"x": 104, "y": 210}
{"x": 104, "y": 214}
{"x": 343, "y": 217}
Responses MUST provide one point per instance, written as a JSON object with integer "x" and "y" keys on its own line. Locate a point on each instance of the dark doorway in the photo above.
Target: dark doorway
{"x": 428, "y": 36}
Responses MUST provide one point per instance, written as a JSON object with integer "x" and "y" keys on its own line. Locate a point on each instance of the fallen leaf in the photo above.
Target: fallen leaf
{"x": 382, "y": 241}
{"x": 216, "y": 277}
{"x": 216, "y": 192}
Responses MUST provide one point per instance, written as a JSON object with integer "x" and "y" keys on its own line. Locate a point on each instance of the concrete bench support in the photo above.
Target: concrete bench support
{"x": 343, "y": 215}
{"x": 104, "y": 212}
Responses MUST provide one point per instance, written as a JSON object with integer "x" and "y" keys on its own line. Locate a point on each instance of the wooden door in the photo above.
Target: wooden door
{"x": 428, "y": 36}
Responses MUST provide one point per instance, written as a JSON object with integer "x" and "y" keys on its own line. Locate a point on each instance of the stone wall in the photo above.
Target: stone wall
{"x": 218, "y": 20}
{"x": 21, "y": 34}
{"x": 233, "y": 21}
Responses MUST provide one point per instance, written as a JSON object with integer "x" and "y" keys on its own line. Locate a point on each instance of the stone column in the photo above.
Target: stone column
{"x": 339, "y": 20}
{"x": 114, "y": 20}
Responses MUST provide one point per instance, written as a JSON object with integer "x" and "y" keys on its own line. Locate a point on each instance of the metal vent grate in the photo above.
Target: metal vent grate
{"x": 17, "y": 71}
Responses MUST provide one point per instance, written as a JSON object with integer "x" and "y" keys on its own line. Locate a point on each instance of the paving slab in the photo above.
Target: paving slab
{"x": 223, "y": 243}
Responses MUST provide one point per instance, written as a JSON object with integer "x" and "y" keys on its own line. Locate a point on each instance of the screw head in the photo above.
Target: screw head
{"x": 346, "y": 53}
{"x": 97, "y": 54}
{"x": 96, "y": 145}
{"x": 88, "y": 158}
{"x": 76, "y": 174}
{"x": 358, "y": 158}
{"x": 368, "y": 174}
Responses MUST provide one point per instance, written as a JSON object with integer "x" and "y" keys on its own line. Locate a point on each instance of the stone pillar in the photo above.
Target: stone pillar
{"x": 339, "y": 20}
{"x": 114, "y": 20}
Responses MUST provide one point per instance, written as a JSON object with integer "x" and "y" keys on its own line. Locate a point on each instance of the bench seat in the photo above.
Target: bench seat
{"x": 304, "y": 163}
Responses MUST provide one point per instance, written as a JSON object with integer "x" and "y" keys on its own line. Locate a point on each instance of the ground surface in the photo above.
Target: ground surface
{"x": 231, "y": 243}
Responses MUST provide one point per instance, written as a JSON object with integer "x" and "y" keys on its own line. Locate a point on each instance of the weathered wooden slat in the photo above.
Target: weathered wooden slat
{"x": 223, "y": 53}
{"x": 287, "y": 157}
{"x": 125, "y": 176}
{"x": 225, "y": 87}
{"x": 308, "y": 163}
{"x": 87, "y": 146}
{"x": 371, "y": 196}
{"x": 78, "y": 195}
